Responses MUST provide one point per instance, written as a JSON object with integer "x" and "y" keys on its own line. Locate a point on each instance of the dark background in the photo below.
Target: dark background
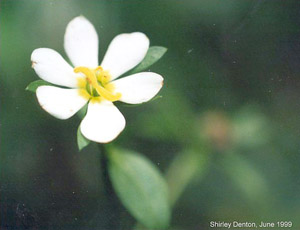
{"x": 231, "y": 96}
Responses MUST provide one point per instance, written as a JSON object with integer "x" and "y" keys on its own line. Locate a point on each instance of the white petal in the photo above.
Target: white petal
{"x": 50, "y": 66}
{"x": 138, "y": 88}
{"x": 81, "y": 43}
{"x": 103, "y": 122}
{"x": 60, "y": 103}
{"x": 125, "y": 52}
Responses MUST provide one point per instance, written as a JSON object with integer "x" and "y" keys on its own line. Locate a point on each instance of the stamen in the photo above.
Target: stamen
{"x": 91, "y": 78}
{"x": 93, "y": 83}
{"x": 99, "y": 68}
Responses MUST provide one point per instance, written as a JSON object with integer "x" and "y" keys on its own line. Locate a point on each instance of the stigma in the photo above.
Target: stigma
{"x": 96, "y": 84}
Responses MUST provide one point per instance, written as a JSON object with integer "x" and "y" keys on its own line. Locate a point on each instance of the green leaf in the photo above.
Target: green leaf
{"x": 81, "y": 140}
{"x": 140, "y": 187}
{"x": 153, "y": 55}
{"x": 35, "y": 84}
{"x": 82, "y": 112}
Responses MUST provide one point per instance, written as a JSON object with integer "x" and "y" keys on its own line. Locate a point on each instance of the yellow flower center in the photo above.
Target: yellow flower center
{"x": 96, "y": 84}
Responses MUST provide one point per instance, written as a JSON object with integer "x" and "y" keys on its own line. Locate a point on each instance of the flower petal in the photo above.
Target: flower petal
{"x": 103, "y": 122}
{"x": 125, "y": 52}
{"x": 81, "y": 43}
{"x": 50, "y": 66}
{"x": 138, "y": 88}
{"x": 60, "y": 103}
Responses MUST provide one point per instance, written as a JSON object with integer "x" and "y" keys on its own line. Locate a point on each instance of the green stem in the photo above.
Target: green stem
{"x": 113, "y": 205}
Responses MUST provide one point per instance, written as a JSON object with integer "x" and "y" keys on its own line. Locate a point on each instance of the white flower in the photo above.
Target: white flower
{"x": 93, "y": 84}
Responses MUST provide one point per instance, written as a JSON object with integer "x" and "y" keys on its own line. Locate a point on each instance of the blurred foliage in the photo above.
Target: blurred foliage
{"x": 226, "y": 132}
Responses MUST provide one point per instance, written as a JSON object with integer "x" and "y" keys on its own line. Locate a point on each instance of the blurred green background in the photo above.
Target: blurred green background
{"x": 226, "y": 132}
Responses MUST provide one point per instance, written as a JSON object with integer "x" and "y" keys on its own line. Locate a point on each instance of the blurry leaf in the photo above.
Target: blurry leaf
{"x": 153, "y": 55}
{"x": 251, "y": 128}
{"x": 140, "y": 187}
{"x": 245, "y": 176}
{"x": 184, "y": 168}
{"x": 81, "y": 140}
{"x": 35, "y": 84}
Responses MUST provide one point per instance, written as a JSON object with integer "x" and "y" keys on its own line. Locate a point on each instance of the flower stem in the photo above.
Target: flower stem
{"x": 112, "y": 203}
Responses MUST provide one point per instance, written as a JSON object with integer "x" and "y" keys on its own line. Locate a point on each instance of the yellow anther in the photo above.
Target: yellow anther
{"x": 91, "y": 78}
{"x": 106, "y": 94}
{"x": 99, "y": 68}
{"x": 102, "y": 75}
